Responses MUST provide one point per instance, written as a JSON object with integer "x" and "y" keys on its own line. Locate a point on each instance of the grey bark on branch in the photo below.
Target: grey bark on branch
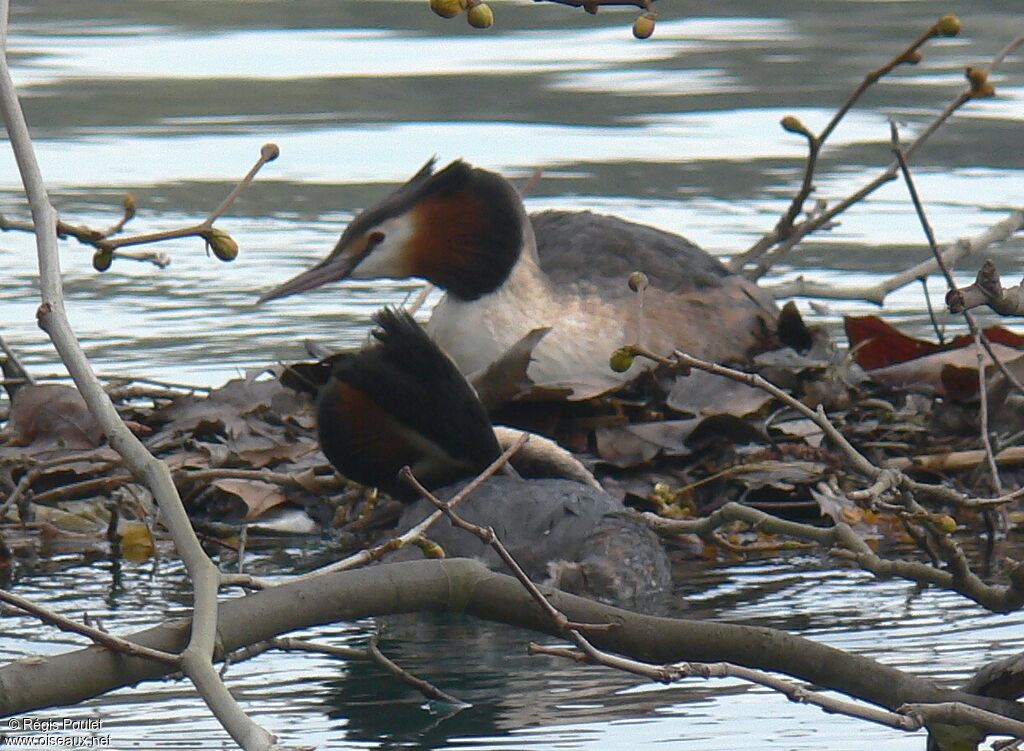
{"x": 998, "y": 233}
{"x": 462, "y": 585}
{"x": 988, "y": 289}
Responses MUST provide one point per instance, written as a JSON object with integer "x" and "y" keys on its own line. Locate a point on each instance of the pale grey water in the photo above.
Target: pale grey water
{"x": 172, "y": 100}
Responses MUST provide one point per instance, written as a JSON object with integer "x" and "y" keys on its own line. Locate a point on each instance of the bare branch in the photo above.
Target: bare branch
{"x": 772, "y": 246}
{"x": 196, "y": 660}
{"x": 102, "y": 638}
{"x": 876, "y": 293}
{"x": 379, "y": 551}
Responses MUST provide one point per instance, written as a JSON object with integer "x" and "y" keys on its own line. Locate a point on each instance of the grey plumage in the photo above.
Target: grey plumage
{"x": 599, "y": 252}
{"x": 583, "y": 538}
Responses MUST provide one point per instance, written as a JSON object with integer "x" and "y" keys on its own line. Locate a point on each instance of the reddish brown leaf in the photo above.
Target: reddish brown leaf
{"x": 959, "y": 383}
{"x": 878, "y": 344}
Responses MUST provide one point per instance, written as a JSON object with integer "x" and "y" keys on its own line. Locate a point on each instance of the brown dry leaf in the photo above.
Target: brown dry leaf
{"x": 224, "y": 410}
{"x": 841, "y": 509}
{"x": 188, "y": 460}
{"x": 505, "y": 378}
{"x": 802, "y": 428}
{"x": 53, "y": 414}
{"x": 702, "y": 394}
{"x": 782, "y": 475}
{"x": 258, "y": 496}
{"x": 928, "y": 370}
{"x": 631, "y": 445}
{"x": 621, "y": 448}
{"x": 259, "y": 451}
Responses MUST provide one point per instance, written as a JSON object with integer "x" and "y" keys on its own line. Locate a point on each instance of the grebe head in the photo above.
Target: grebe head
{"x": 460, "y": 228}
{"x": 401, "y": 401}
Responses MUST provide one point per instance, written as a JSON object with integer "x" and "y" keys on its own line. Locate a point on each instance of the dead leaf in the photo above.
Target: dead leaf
{"x": 702, "y": 393}
{"x": 928, "y": 370}
{"x": 505, "y": 378}
{"x": 258, "y": 451}
{"x": 136, "y": 539}
{"x": 878, "y": 344}
{"x": 258, "y": 496}
{"x": 802, "y": 428}
{"x": 632, "y": 445}
{"x": 224, "y": 411}
{"x": 53, "y": 414}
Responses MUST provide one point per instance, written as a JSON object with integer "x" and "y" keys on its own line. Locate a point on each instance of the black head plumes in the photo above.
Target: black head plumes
{"x": 401, "y": 401}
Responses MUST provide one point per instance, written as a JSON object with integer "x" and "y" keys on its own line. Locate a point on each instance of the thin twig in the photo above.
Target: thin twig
{"x": 102, "y": 638}
{"x": 843, "y": 542}
{"x": 15, "y": 361}
{"x": 427, "y": 689}
{"x": 196, "y": 659}
{"x": 379, "y": 551}
{"x": 931, "y": 311}
{"x": 926, "y": 226}
{"x": 876, "y": 293}
{"x": 488, "y": 537}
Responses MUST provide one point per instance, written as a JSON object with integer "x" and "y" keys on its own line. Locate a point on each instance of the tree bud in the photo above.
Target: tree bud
{"x": 102, "y": 259}
{"x": 643, "y": 26}
{"x": 222, "y": 244}
{"x": 622, "y": 359}
{"x": 446, "y": 8}
{"x": 948, "y": 25}
{"x": 480, "y": 16}
{"x": 269, "y": 152}
{"x": 638, "y": 281}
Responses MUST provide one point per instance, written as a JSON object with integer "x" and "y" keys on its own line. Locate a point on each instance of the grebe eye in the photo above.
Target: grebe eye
{"x": 373, "y": 239}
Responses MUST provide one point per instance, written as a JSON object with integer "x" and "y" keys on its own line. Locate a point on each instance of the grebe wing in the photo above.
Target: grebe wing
{"x": 600, "y": 251}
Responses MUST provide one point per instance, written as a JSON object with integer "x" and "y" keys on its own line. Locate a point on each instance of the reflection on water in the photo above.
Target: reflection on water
{"x": 171, "y": 101}
{"x": 680, "y": 131}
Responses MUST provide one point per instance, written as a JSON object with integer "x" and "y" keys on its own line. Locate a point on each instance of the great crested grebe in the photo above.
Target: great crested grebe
{"x": 401, "y": 401}
{"x": 505, "y": 274}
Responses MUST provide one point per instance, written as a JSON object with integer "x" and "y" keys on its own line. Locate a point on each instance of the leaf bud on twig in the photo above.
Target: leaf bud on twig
{"x": 794, "y": 124}
{"x": 270, "y": 152}
{"x": 948, "y": 25}
{"x": 446, "y": 8}
{"x": 622, "y": 359}
{"x": 222, "y": 244}
{"x": 429, "y": 548}
{"x": 480, "y": 16}
{"x": 944, "y": 522}
{"x": 643, "y": 26}
{"x": 102, "y": 259}
{"x": 638, "y": 281}
{"x": 978, "y": 78}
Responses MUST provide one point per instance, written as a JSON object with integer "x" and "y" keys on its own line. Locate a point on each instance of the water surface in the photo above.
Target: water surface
{"x": 172, "y": 100}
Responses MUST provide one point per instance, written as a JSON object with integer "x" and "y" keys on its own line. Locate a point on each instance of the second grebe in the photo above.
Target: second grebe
{"x": 400, "y": 401}
{"x": 505, "y": 274}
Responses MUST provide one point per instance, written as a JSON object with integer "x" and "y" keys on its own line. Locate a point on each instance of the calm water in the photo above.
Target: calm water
{"x": 172, "y": 100}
